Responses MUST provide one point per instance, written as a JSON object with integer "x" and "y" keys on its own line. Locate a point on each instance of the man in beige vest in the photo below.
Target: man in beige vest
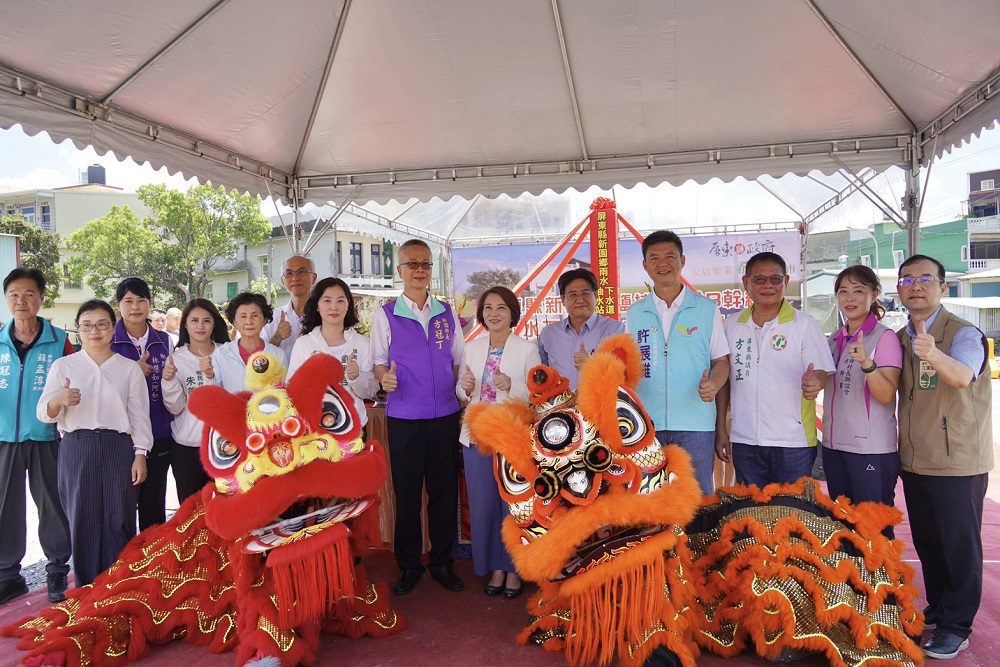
{"x": 945, "y": 450}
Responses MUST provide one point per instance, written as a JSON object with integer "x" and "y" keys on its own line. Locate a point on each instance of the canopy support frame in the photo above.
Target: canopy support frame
{"x": 568, "y": 70}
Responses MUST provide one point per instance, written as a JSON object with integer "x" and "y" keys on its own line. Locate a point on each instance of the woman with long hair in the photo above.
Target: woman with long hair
{"x": 860, "y": 456}
{"x": 495, "y": 368}
{"x": 328, "y": 320}
{"x": 202, "y": 330}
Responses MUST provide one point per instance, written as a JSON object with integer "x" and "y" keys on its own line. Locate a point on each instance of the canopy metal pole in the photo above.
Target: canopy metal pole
{"x": 911, "y": 199}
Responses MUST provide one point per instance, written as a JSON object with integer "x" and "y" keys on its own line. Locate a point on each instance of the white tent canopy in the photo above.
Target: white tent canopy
{"x": 391, "y": 99}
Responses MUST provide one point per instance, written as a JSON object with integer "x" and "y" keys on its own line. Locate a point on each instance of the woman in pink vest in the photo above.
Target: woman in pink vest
{"x": 860, "y": 456}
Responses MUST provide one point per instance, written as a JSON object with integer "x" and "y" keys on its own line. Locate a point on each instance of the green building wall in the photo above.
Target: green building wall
{"x": 943, "y": 241}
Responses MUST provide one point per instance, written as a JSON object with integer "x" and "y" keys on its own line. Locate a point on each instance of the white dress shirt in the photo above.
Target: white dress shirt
{"x": 718, "y": 345}
{"x": 113, "y": 396}
{"x": 271, "y": 328}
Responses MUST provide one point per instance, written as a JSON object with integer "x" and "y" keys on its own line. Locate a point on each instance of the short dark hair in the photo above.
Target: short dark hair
{"x": 249, "y": 299}
{"x": 863, "y": 275}
{"x": 220, "y": 332}
{"x": 94, "y": 304}
{"x": 577, "y": 274}
{"x": 913, "y": 259}
{"x": 137, "y": 286}
{"x": 662, "y": 236}
{"x": 415, "y": 243}
{"x": 24, "y": 273}
{"x": 766, "y": 257}
{"x": 509, "y": 298}
{"x": 157, "y": 311}
{"x": 310, "y": 312}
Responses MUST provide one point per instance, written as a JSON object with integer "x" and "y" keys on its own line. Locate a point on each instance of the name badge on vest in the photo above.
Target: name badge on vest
{"x": 927, "y": 377}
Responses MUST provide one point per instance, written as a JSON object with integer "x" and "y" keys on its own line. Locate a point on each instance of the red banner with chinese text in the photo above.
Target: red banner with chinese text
{"x": 604, "y": 255}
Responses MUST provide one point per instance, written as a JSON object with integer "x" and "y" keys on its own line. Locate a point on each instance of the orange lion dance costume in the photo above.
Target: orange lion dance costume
{"x": 598, "y": 510}
{"x": 263, "y": 559}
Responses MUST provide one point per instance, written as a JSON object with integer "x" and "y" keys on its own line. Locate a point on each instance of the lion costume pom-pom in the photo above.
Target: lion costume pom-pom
{"x": 261, "y": 560}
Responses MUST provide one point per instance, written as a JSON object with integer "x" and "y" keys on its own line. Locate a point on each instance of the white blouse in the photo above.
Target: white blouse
{"x": 113, "y": 396}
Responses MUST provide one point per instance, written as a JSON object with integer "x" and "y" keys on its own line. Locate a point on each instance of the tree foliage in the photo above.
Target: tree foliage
{"x": 175, "y": 248}
{"x": 480, "y": 281}
{"x": 39, "y": 250}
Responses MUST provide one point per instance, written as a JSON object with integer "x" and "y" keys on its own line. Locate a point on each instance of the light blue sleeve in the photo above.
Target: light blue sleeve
{"x": 967, "y": 347}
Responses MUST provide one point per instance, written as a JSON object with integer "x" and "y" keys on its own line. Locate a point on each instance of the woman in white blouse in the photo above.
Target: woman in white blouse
{"x": 99, "y": 401}
{"x": 202, "y": 330}
{"x": 327, "y": 321}
{"x": 495, "y": 368}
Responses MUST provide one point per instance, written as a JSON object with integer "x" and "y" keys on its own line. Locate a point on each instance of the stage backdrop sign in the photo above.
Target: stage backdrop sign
{"x": 713, "y": 264}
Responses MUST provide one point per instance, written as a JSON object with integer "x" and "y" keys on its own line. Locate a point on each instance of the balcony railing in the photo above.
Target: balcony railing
{"x": 987, "y": 225}
{"x": 983, "y": 264}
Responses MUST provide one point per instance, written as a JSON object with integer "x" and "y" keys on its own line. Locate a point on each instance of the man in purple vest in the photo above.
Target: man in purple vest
{"x": 416, "y": 345}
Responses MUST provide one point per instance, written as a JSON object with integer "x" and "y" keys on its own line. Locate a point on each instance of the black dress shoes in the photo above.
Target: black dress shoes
{"x": 406, "y": 582}
{"x": 12, "y": 588}
{"x": 511, "y": 593}
{"x": 57, "y": 586}
{"x": 444, "y": 576}
{"x": 494, "y": 591}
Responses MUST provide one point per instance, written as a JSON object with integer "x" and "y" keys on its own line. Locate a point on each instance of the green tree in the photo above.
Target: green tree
{"x": 118, "y": 246}
{"x": 202, "y": 227}
{"x": 480, "y": 281}
{"x": 39, "y": 250}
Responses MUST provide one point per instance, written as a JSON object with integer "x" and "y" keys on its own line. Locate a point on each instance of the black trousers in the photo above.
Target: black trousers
{"x": 946, "y": 517}
{"x": 424, "y": 451}
{"x": 189, "y": 474}
{"x": 38, "y": 461}
{"x": 153, "y": 491}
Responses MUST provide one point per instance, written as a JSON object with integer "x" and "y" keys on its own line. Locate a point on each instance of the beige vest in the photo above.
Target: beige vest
{"x": 943, "y": 430}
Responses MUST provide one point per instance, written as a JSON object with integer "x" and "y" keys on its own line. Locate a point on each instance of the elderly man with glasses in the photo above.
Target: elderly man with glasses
{"x": 945, "y": 451}
{"x": 566, "y": 344}
{"x": 779, "y": 361}
{"x": 28, "y": 346}
{"x": 298, "y": 274}
{"x": 417, "y": 346}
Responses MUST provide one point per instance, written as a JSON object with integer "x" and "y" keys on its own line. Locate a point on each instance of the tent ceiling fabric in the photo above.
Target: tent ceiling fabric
{"x": 445, "y": 97}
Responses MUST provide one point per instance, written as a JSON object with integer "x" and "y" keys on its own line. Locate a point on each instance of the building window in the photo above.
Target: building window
{"x": 986, "y": 185}
{"x": 866, "y": 260}
{"x": 356, "y": 268}
{"x": 68, "y": 280}
{"x": 376, "y": 259}
{"x": 984, "y": 250}
{"x": 46, "y": 217}
{"x": 337, "y": 261}
{"x": 232, "y": 289}
{"x": 210, "y": 292}
{"x": 265, "y": 268}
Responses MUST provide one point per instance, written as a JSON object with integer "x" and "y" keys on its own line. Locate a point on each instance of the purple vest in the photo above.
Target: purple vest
{"x": 158, "y": 346}
{"x": 424, "y": 366}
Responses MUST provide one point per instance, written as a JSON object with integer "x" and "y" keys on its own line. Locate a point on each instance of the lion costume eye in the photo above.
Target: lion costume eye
{"x": 631, "y": 423}
{"x": 336, "y": 418}
{"x": 513, "y": 482}
{"x": 221, "y": 453}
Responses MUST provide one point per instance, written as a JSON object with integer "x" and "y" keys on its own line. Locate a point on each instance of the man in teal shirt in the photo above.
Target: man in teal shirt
{"x": 685, "y": 355}
{"x": 28, "y": 346}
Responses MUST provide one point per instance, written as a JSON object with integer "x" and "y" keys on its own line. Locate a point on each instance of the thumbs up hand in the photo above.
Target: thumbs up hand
{"x": 68, "y": 396}
{"x": 144, "y": 365}
{"x": 707, "y": 388}
{"x": 389, "y": 380}
{"x": 810, "y": 383}
{"x": 580, "y": 357}
{"x": 284, "y": 327}
{"x": 205, "y": 365}
{"x": 468, "y": 381}
{"x": 169, "y": 369}
{"x": 352, "y": 370}
{"x": 501, "y": 381}
{"x": 923, "y": 344}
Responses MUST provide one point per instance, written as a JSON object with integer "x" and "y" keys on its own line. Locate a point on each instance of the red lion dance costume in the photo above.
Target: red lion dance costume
{"x": 263, "y": 559}
{"x": 598, "y": 510}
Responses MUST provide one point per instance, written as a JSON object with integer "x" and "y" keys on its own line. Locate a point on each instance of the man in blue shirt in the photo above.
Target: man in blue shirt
{"x": 28, "y": 346}
{"x": 566, "y": 344}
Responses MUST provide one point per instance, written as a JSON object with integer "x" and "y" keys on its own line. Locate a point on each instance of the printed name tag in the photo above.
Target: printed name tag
{"x": 927, "y": 377}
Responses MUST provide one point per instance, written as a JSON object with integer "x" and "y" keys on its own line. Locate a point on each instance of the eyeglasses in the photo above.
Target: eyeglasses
{"x": 923, "y": 281}
{"x": 413, "y": 266}
{"x": 298, "y": 273}
{"x": 582, "y": 294}
{"x": 87, "y": 327}
{"x": 763, "y": 280}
